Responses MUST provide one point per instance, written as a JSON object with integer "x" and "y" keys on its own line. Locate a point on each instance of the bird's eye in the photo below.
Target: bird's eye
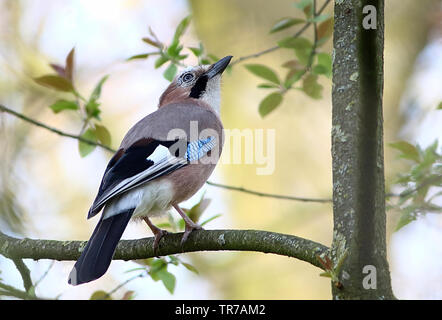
{"x": 187, "y": 77}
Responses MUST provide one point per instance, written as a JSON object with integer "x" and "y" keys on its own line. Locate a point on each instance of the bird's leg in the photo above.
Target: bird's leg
{"x": 190, "y": 225}
{"x": 158, "y": 233}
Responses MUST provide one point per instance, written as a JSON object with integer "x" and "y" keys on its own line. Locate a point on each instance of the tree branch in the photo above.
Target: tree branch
{"x": 199, "y": 240}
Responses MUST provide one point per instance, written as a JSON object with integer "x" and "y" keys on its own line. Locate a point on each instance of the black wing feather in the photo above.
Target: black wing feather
{"x": 125, "y": 164}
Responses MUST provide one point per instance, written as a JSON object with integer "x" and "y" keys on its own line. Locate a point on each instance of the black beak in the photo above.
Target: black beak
{"x": 218, "y": 67}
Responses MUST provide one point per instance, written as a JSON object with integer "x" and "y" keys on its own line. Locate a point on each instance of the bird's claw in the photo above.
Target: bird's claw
{"x": 159, "y": 234}
{"x": 188, "y": 230}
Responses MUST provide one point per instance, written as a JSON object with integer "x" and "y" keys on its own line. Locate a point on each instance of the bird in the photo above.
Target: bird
{"x": 164, "y": 159}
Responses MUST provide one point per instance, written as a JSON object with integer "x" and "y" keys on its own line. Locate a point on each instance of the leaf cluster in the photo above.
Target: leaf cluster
{"x": 88, "y": 109}
{"x": 421, "y": 184}
{"x": 307, "y": 64}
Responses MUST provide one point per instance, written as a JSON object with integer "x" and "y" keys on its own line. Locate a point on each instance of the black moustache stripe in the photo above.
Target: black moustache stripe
{"x": 199, "y": 87}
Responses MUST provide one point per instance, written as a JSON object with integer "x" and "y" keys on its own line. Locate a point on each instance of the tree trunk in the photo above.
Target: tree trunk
{"x": 357, "y": 151}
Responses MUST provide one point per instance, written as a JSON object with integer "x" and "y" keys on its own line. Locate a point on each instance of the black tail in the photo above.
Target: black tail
{"x": 97, "y": 255}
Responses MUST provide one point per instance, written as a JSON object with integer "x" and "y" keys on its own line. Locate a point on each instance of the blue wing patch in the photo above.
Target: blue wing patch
{"x": 197, "y": 149}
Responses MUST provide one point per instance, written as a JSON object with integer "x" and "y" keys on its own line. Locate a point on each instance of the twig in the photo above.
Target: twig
{"x": 269, "y": 195}
{"x": 44, "y": 275}
{"x": 297, "y": 34}
{"x": 54, "y": 130}
{"x": 24, "y": 272}
{"x": 140, "y": 275}
{"x": 315, "y": 37}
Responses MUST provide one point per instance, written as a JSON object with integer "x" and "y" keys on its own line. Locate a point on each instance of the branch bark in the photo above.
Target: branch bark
{"x": 357, "y": 152}
{"x": 199, "y": 240}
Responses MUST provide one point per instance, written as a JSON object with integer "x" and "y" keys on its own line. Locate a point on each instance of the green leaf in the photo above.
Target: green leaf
{"x": 100, "y": 295}
{"x": 160, "y": 61}
{"x": 144, "y": 262}
{"x": 163, "y": 225}
{"x": 270, "y": 103}
{"x": 196, "y": 51}
{"x": 92, "y": 109}
{"x": 267, "y": 86}
{"x": 182, "y": 56}
{"x": 320, "y": 18}
{"x": 152, "y": 42}
{"x": 167, "y": 278}
{"x": 157, "y": 264}
{"x": 406, "y": 217}
{"x": 95, "y": 95}
{"x": 61, "y": 105}
{"x": 103, "y": 135}
{"x": 263, "y": 72}
{"x": 174, "y": 260}
{"x": 197, "y": 210}
{"x": 325, "y": 60}
{"x": 190, "y": 267}
{"x": 439, "y": 107}
{"x": 55, "y": 82}
{"x": 311, "y": 87}
{"x": 295, "y": 43}
{"x": 170, "y": 72}
{"x": 292, "y": 77}
{"x": 174, "y": 49}
{"x": 303, "y": 55}
{"x": 301, "y": 5}
{"x": 181, "y": 28}
{"x": 320, "y": 69}
{"x": 408, "y": 150}
{"x": 181, "y": 224}
{"x": 86, "y": 148}
{"x": 325, "y": 274}
{"x": 138, "y": 56}
{"x": 211, "y": 219}
{"x": 285, "y": 23}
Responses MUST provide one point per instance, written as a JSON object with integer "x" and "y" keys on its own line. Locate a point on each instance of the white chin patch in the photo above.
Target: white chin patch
{"x": 212, "y": 95}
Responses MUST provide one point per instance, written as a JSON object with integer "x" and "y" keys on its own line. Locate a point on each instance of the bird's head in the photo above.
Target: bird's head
{"x": 200, "y": 82}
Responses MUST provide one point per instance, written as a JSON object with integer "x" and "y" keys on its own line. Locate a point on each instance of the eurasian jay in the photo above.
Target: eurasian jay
{"x": 164, "y": 159}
